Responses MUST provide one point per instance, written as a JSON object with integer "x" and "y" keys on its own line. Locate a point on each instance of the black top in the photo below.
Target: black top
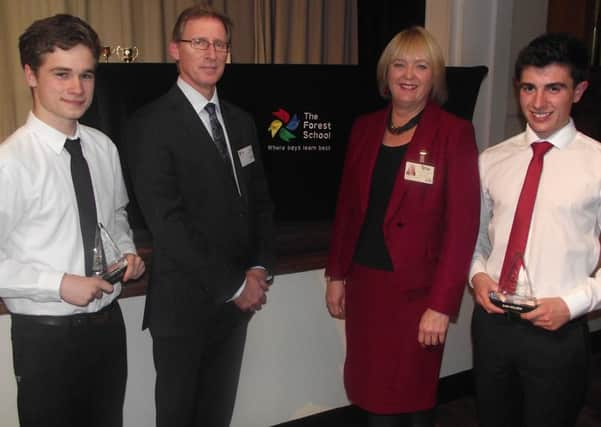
{"x": 371, "y": 249}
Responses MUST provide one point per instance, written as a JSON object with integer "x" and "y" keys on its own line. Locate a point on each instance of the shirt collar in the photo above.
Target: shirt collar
{"x": 559, "y": 139}
{"x": 197, "y": 100}
{"x": 49, "y": 135}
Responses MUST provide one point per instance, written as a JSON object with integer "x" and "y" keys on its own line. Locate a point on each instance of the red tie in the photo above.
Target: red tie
{"x": 518, "y": 237}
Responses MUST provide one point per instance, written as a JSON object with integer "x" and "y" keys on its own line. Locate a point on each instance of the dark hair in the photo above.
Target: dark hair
{"x": 200, "y": 11}
{"x": 555, "y": 48}
{"x": 62, "y": 31}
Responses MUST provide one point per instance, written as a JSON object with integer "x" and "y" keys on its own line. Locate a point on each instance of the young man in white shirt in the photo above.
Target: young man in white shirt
{"x": 68, "y": 333}
{"x": 531, "y": 368}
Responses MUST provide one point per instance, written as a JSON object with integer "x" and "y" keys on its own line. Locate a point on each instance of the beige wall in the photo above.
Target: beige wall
{"x": 491, "y": 32}
{"x": 530, "y": 20}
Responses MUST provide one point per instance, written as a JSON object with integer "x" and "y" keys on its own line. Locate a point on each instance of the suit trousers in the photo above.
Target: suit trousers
{"x": 70, "y": 370}
{"x": 197, "y": 375}
{"x": 526, "y": 375}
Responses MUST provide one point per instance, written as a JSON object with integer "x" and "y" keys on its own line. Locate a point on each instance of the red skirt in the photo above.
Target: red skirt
{"x": 386, "y": 370}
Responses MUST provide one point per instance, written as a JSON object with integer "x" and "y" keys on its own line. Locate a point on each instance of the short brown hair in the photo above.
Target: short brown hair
{"x": 200, "y": 11}
{"x": 414, "y": 39}
{"x": 62, "y": 31}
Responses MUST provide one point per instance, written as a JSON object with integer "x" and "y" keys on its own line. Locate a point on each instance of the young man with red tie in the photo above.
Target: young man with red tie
{"x": 541, "y": 195}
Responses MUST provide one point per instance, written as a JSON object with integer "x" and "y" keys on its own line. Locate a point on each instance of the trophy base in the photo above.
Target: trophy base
{"x": 513, "y": 303}
{"x": 115, "y": 272}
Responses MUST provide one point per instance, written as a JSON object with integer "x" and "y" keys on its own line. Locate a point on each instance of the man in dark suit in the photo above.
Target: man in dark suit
{"x": 197, "y": 174}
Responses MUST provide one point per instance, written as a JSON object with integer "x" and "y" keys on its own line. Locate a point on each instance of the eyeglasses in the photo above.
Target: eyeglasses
{"x": 203, "y": 44}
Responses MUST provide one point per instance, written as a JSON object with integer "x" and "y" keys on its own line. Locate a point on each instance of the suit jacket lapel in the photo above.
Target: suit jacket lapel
{"x": 237, "y": 141}
{"x": 374, "y": 135}
{"x": 423, "y": 138}
{"x": 192, "y": 124}
{"x": 185, "y": 114}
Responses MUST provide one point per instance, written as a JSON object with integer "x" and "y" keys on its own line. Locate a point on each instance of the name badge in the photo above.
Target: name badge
{"x": 246, "y": 155}
{"x": 419, "y": 172}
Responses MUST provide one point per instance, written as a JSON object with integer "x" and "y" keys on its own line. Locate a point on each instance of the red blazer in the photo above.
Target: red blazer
{"x": 430, "y": 229}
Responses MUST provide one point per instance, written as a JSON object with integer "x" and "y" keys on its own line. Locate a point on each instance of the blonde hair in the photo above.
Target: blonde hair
{"x": 412, "y": 40}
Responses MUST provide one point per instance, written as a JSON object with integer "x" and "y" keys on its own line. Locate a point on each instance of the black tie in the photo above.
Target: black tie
{"x": 218, "y": 135}
{"x": 84, "y": 192}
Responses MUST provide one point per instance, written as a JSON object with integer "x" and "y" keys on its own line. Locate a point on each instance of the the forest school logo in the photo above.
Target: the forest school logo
{"x": 283, "y": 126}
{"x": 294, "y": 132}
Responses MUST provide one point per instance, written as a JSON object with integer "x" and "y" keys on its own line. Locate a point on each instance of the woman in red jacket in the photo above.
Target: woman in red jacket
{"x": 405, "y": 228}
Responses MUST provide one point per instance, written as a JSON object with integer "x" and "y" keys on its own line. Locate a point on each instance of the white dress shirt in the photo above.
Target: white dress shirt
{"x": 563, "y": 244}
{"x": 40, "y": 235}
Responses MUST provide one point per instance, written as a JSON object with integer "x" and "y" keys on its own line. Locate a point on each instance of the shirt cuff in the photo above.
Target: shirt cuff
{"x": 50, "y": 286}
{"x": 238, "y": 292}
{"x": 241, "y": 288}
{"x": 129, "y": 249}
{"x": 578, "y": 303}
{"x": 477, "y": 267}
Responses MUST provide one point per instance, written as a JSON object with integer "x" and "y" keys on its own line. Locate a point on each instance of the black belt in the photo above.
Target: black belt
{"x": 101, "y": 317}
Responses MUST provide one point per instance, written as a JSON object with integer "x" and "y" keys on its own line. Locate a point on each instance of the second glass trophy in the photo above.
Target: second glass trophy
{"x": 521, "y": 298}
{"x": 108, "y": 261}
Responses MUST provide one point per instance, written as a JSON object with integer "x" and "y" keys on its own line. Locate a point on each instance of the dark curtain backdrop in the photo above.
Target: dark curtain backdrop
{"x": 379, "y": 21}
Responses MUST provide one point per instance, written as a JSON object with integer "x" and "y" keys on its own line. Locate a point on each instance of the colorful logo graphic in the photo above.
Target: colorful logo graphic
{"x": 283, "y": 125}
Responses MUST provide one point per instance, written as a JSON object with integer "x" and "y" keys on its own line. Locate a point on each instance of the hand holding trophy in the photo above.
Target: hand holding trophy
{"x": 515, "y": 291}
{"x": 108, "y": 261}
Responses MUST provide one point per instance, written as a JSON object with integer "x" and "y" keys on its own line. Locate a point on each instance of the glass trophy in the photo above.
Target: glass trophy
{"x": 108, "y": 261}
{"x": 522, "y": 299}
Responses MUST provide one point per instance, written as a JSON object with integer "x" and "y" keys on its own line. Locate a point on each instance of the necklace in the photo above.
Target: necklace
{"x": 400, "y": 129}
